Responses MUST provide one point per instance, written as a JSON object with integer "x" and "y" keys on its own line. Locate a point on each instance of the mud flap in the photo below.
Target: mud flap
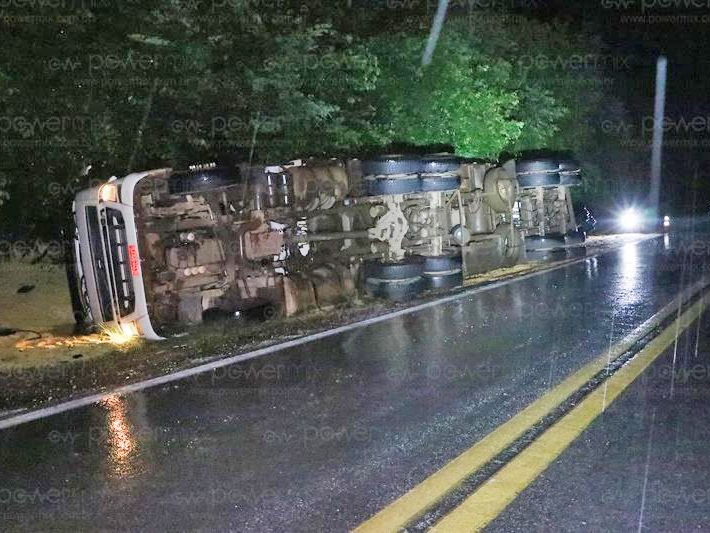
{"x": 482, "y": 256}
{"x": 190, "y": 309}
{"x": 332, "y": 284}
{"x": 299, "y": 295}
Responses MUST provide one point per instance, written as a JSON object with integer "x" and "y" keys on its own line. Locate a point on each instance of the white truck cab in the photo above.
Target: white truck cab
{"x": 106, "y": 258}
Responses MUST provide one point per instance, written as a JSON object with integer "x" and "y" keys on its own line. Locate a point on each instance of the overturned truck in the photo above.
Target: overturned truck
{"x": 166, "y": 247}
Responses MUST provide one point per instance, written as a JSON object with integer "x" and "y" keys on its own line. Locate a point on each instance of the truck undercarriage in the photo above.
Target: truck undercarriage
{"x": 313, "y": 233}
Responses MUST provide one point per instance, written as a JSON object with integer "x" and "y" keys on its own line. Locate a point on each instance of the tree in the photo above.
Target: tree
{"x": 460, "y": 99}
{"x": 162, "y": 84}
{"x": 491, "y": 90}
{"x": 167, "y": 83}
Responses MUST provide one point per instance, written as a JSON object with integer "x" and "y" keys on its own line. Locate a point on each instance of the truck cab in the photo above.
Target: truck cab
{"x": 105, "y": 257}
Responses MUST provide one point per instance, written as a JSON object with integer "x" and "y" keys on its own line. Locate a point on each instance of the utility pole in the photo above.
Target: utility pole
{"x": 659, "y": 114}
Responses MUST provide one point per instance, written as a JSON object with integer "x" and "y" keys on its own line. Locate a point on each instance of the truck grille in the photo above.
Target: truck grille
{"x": 107, "y": 236}
{"x": 99, "y": 263}
{"x": 122, "y": 283}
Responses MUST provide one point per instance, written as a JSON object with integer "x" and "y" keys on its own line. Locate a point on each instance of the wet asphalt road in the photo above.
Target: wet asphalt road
{"x": 645, "y": 462}
{"x": 321, "y": 436}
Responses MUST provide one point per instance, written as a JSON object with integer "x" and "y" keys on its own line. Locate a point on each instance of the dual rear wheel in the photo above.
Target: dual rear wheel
{"x": 409, "y": 174}
{"x": 406, "y": 279}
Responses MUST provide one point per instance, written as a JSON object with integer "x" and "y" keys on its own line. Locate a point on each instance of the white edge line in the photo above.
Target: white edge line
{"x": 45, "y": 412}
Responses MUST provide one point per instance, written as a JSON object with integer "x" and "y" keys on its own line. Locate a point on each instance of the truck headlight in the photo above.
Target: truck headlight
{"x": 121, "y": 334}
{"x": 108, "y": 193}
{"x": 129, "y": 329}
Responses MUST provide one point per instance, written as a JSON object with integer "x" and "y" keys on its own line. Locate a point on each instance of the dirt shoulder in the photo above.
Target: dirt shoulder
{"x": 44, "y": 364}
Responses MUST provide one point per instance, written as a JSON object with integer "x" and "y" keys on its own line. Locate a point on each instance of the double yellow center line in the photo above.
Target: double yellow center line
{"x": 489, "y": 500}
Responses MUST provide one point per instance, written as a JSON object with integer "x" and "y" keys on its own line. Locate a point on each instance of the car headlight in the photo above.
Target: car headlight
{"x": 630, "y": 219}
{"x": 108, "y": 193}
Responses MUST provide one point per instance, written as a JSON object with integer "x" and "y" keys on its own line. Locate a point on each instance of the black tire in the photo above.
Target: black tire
{"x": 443, "y": 272}
{"x": 185, "y": 182}
{"x": 440, "y": 163}
{"x": 442, "y": 263}
{"x": 542, "y": 179}
{"x": 386, "y": 186}
{"x": 410, "y": 267}
{"x": 512, "y": 245}
{"x": 535, "y": 166}
{"x": 440, "y": 183}
{"x": 569, "y": 165}
{"x": 443, "y": 281}
{"x": 395, "y": 290}
{"x": 538, "y": 243}
{"x": 388, "y": 165}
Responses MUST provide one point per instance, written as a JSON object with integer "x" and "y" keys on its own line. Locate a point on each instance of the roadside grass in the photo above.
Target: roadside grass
{"x": 43, "y": 316}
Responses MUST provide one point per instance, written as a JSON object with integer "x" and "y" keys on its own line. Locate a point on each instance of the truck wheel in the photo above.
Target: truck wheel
{"x": 395, "y": 290}
{"x": 538, "y": 172}
{"x": 440, "y": 163}
{"x": 442, "y": 263}
{"x": 440, "y": 183}
{"x": 500, "y": 190}
{"x": 410, "y": 267}
{"x": 383, "y": 186}
{"x": 540, "y": 179}
{"x": 398, "y": 281}
{"x": 443, "y": 272}
{"x": 535, "y": 166}
{"x": 389, "y": 165}
{"x": 512, "y": 245}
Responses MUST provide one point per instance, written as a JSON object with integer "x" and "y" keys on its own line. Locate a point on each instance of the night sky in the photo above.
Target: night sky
{"x": 637, "y": 32}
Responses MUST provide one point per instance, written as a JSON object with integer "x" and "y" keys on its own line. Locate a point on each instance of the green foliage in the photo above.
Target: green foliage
{"x": 460, "y": 99}
{"x": 490, "y": 90}
{"x": 185, "y": 86}
{"x": 308, "y": 95}
{"x": 168, "y": 82}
